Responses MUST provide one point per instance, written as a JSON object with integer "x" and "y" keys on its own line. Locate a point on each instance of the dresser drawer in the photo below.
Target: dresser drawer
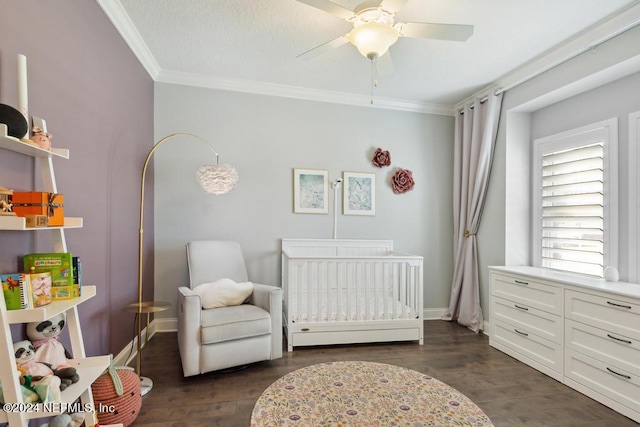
{"x": 620, "y": 386}
{"x": 614, "y": 349}
{"x": 614, "y": 314}
{"x": 528, "y": 292}
{"x": 526, "y": 343}
{"x": 521, "y": 316}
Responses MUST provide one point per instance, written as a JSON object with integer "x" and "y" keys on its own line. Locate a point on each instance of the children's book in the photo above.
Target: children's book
{"x": 16, "y": 288}
{"x": 59, "y": 264}
{"x": 77, "y": 276}
{"x": 41, "y": 289}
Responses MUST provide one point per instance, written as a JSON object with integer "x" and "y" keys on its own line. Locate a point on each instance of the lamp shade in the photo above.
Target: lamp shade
{"x": 373, "y": 38}
{"x": 217, "y": 179}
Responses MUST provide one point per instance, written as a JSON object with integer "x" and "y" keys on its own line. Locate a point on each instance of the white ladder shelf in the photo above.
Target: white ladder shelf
{"x": 89, "y": 368}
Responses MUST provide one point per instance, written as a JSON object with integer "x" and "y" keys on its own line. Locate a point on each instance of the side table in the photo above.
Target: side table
{"x": 145, "y": 307}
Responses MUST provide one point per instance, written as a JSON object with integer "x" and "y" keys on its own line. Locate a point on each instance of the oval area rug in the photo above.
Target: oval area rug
{"x": 363, "y": 394}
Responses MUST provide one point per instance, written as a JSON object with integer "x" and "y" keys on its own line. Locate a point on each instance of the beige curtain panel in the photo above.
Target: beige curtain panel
{"x": 475, "y": 135}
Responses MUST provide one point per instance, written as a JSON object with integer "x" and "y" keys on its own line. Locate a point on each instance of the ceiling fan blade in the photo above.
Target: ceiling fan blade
{"x": 393, "y": 6}
{"x": 323, "y": 48}
{"x": 453, "y": 32}
{"x": 329, "y": 7}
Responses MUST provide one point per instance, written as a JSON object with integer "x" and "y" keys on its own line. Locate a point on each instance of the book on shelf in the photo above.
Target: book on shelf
{"x": 41, "y": 289}
{"x": 77, "y": 270}
{"x": 70, "y": 291}
{"x": 16, "y": 288}
{"x": 61, "y": 267}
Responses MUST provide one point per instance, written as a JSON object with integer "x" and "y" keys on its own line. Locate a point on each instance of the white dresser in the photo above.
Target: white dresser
{"x": 581, "y": 331}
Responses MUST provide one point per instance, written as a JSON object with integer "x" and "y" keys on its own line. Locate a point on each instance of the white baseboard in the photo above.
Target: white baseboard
{"x": 433, "y": 313}
{"x": 486, "y": 325}
{"x": 167, "y": 324}
{"x": 121, "y": 359}
{"x": 129, "y": 352}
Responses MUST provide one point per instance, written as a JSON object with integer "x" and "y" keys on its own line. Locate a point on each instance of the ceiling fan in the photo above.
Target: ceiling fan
{"x": 374, "y": 30}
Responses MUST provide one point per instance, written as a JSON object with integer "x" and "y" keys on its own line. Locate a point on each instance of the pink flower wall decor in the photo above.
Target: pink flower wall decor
{"x": 402, "y": 181}
{"x": 381, "y": 158}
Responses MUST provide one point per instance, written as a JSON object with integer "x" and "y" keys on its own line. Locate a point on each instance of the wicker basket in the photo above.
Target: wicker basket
{"x": 118, "y": 389}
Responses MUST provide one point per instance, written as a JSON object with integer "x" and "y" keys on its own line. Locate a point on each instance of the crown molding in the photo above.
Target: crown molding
{"x": 120, "y": 19}
{"x": 584, "y": 41}
{"x": 272, "y": 89}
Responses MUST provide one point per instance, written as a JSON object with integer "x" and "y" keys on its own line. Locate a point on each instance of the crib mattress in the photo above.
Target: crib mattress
{"x": 339, "y": 307}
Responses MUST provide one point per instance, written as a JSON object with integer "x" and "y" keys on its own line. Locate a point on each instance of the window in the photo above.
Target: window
{"x": 575, "y": 200}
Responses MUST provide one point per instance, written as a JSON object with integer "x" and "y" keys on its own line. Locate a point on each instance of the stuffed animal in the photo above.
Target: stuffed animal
{"x": 45, "y": 338}
{"x": 29, "y": 394}
{"x": 45, "y": 383}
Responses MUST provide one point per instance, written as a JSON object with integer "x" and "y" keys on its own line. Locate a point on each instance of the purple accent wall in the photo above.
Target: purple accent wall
{"x": 97, "y": 100}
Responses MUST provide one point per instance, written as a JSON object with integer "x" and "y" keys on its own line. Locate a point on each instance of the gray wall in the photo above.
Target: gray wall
{"x": 580, "y": 97}
{"x": 98, "y": 102}
{"x": 265, "y": 138}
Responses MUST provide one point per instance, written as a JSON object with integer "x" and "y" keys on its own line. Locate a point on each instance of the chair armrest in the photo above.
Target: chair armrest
{"x": 189, "y": 314}
{"x": 264, "y": 296}
{"x": 270, "y": 299}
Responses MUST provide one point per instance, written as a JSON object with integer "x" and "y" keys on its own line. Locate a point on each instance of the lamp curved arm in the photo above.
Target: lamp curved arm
{"x": 140, "y": 305}
{"x": 144, "y": 174}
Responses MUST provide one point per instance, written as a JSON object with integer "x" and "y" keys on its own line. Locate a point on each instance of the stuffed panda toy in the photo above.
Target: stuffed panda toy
{"x": 48, "y": 349}
{"x": 43, "y": 380}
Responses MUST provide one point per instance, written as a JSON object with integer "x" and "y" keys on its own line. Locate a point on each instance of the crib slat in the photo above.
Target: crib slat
{"x": 330, "y": 291}
{"x": 386, "y": 278}
{"x": 317, "y": 295}
{"x": 309, "y": 308}
{"x": 376, "y": 289}
{"x": 395, "y": 292}
{"x": 367, "y": 280}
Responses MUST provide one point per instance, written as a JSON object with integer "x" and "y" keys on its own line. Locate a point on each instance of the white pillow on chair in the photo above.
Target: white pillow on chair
{"x": 223, "y": 293}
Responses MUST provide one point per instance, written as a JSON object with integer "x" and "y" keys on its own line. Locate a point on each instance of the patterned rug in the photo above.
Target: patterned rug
{"x": 363, "y": 394}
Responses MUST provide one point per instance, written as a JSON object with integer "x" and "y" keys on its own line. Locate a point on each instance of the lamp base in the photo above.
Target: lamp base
{"x": 146, "y": 384}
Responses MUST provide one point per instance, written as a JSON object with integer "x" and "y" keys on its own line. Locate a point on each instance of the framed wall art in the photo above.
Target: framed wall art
{"x": 359, "y": 193}
{"x": 310, "y": 191}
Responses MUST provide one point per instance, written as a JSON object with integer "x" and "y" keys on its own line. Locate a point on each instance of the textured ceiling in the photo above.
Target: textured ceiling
{"x": 258, "y": 41}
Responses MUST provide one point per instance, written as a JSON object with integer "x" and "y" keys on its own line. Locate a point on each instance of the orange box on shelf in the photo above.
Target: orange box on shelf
{"x": 40, "y": 203}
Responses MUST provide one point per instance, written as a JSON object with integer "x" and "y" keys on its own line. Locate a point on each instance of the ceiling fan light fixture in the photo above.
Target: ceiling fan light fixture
{"x": 373, "y": 39}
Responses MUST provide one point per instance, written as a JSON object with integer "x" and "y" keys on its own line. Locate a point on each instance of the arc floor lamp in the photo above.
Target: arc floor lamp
{"x": 214, "y": 179}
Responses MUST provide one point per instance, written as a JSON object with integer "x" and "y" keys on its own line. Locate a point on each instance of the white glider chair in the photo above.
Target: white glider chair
{"x": 211, "y": 339}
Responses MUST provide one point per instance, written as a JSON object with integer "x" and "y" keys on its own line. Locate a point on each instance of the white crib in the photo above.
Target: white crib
{"x": 350, "y": 291}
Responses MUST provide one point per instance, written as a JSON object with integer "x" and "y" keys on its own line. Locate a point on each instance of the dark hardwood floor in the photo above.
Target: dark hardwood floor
{"x": 509, "y": 392}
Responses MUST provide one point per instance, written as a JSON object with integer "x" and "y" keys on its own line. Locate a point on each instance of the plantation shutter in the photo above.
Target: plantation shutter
{"x": 572, "y": 209}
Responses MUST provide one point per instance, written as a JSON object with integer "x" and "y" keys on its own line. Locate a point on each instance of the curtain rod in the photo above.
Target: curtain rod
{"x": 482, "y": 100}
{"x": 569, "y": 57}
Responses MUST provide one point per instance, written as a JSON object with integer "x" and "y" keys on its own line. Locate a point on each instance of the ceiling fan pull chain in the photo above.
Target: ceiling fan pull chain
{"x": 375, "y": 72}
{"x": 374, "y": 75}
{"x": 372, "y": 82}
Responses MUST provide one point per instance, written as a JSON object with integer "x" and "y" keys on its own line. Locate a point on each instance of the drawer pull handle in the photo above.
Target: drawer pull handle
{"x": 521, "y": 333}
{"x": 619, "y": 339}
{"x": 520, "y": 282}
{"x": 619, "y": 305}
{"x": 305, "y": 329}
{"x": 521, "y": 308}
{"x": 618, "y": 374}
